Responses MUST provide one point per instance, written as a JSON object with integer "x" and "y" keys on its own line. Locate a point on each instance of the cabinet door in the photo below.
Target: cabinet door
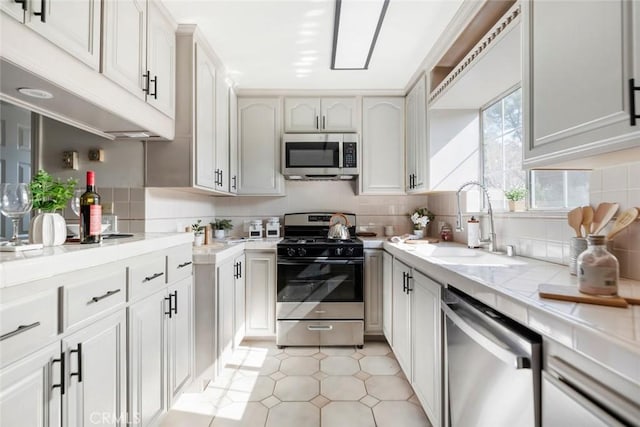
{"x": 72, "y": 25}
{"x": 426, "y": 329}
{"x": 239, "y": 300}
{"x": 261, "y": 294}
{"x": 147, "y": 348}
{"x": 28, "y": 397}
{"x": 382, "y": 146}
{"x": 180, "y": 337}
{"x": 124, "y": 50}
{"x": 222, "y": 135}
{"x": 338, "y": 114}
{"x": 302, "y": 114}
{"x": 233, "y": 141}
{"x": 402, "y": 317}
{"x": 372, "y": 291}
{"x": 259, "y": 142}
{"x": 577, "y": 98}
{"x": 416, "y": 144}
{"x": 387, "y": 296}
{"x": 161, "y": 60}
{"x": 205, "y": 129}
{"x": 13, "y": 9}
{"x": 96, "y": 373}
{"x": 226, "y": 295}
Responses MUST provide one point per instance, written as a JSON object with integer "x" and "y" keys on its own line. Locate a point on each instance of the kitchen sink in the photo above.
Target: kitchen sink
{"x": 458, "y": 255}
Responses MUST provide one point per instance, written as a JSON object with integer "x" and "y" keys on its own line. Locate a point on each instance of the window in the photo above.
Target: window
{"x": 502, "y": 162}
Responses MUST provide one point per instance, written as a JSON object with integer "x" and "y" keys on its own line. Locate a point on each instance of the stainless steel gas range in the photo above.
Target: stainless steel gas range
{"x": 320, "y": 297}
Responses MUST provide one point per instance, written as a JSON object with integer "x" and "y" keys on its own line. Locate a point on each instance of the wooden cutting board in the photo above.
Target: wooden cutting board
{"x": 571, "y": 293}
{"x": 422, "y": 241}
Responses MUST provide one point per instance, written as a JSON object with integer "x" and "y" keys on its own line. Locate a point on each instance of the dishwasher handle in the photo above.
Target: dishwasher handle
{"x": 508, "y": 357}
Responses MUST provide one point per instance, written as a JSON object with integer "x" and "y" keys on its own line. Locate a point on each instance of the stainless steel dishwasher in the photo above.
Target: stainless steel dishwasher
{"x": 492, "y": 366}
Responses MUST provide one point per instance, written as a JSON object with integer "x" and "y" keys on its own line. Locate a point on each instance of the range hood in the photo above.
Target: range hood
{"x": 320, "y": 177}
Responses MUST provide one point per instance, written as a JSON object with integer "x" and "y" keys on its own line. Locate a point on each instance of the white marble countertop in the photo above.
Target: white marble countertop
{"x": 609, "y": 335}
{"x": 218, "y": 251}
{"x": 25, "y": 266}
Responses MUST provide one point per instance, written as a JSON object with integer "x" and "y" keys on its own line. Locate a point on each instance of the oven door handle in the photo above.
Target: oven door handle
{"x": 498, "y": 350}
{"x": 321, "y": 260}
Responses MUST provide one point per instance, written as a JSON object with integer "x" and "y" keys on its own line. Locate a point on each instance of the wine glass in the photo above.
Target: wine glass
{"x": 15, "y": 202}
{"x": 75, "y": 200}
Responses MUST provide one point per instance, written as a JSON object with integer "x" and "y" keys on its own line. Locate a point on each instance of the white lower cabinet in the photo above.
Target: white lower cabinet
{"x": 160, "y": 351}
{"x": 30, "y": 393}
{"x": 372, "y": 291}
{"x": 426, "y": 340}
{"x": 239, "y": 264}
{"x": 387, "y": 296}
{"x": 261, "y": 293}
{"x": 401, "y": 295}
{"x": 95, "y": 371}
{"x": 226, "y": 316}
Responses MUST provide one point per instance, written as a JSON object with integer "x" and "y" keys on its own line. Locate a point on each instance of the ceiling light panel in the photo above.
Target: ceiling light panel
{"x": 356, "y": 27}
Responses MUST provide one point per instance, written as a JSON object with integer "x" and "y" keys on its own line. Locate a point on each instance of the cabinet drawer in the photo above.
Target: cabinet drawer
{"x": 320, "y": 332}
{"x": 147, "y": 274}
{"x": 179, "y": 263}
{"x": 89, "y": 298}
{"x": 27, "y": 324}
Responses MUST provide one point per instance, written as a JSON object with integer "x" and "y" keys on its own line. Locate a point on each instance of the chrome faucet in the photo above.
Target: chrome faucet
{"x": 491, "y": 241}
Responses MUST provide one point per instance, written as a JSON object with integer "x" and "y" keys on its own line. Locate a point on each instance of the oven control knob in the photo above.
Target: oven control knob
{"x": 339, "y": 251}
{"x": 350, "y": 251}
{"x": 302, "y": 251}
{"x": 291, "y": 251}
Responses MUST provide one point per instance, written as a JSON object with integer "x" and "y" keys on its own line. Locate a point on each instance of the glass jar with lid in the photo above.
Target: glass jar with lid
{"x": 598, "y": 270}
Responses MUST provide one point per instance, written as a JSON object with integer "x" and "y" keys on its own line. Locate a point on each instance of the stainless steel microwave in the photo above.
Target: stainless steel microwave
{"x": 320, "y": 156}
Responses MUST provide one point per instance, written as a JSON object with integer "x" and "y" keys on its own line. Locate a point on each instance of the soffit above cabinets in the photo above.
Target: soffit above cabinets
{"x": 277, "y": 44}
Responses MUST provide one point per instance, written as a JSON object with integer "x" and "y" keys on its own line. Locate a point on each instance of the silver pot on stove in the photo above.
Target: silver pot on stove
{"x": 339, "y": 230}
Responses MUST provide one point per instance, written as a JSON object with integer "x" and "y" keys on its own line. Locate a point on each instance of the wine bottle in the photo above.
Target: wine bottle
{"x": 90, "y": 213}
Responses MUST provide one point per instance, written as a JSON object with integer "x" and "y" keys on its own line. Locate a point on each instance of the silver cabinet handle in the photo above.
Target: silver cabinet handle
{"x": 184, "y": 264}
{"x": 150, "y": 278}
{"x": 511, "y": 359}
{"x": 320, "y": 327}
{"x": 108, "y": 294}
{"x": 20, "y": 329}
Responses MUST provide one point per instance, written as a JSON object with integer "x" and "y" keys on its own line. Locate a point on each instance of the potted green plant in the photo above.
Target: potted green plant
{"x": 516, "y": 196}
{"x": 221, "y": 226}
{"x": 49, "y": 196}
{"x": 421, "y": 217}
{"x": 198, "y": 233}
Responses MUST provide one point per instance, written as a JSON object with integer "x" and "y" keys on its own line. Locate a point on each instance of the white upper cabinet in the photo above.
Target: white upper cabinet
{"x": 205, "y": 125}
{"x": 382, "y": 145}
{"x": 222, "y": 135}
{"x": 259, "y": 140}
{"x": 139, "y": 51}
{"x": 320, "y": 114}
{"x": 579, "y": 59}
{"x": 161, "y": 60}
{"x": 233, "y": 141}
{"x": 125, "y": 45}
{"x": 416, "y": 138}
{"x": 72, "y": 25}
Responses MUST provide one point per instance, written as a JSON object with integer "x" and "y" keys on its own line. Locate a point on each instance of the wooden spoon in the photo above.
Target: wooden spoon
{"x": 575, "y": 220}
{"x": 624, "y": 220}
{"x": 587, "y": 219}
{"x": 603, "y": 214}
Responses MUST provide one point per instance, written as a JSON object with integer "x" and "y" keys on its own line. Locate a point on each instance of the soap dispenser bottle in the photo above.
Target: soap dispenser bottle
{"x": 473, "y": 233}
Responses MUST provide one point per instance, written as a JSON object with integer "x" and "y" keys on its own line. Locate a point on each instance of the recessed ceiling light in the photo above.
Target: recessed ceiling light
{"x": 35, "y": 93}
{"x": 355, "y": 31}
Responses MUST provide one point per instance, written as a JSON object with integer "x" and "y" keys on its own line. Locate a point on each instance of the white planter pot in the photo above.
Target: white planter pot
{"x": 219, "y": 234}
{"x": 198, "y": 240}
{"x": 50, "y": 229}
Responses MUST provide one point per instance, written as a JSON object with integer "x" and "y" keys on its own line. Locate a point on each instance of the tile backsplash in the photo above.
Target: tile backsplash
{"x": 546, "y": 236}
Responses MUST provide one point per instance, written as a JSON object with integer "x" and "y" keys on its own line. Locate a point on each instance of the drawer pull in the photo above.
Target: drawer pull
{"x": 320, "y": 327}
{"x": 184, "y": 264}
{"x": 108, "y": 294}
{"x": 20, "y": 329}
{"x": 78, "y": 373}
{"x": 321, "y": 311}
{"x": 62, "y": 375}
{"x": 150, "y": 278}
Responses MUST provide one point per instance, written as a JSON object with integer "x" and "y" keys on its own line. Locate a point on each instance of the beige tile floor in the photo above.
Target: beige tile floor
{"x": 264, "y": 386}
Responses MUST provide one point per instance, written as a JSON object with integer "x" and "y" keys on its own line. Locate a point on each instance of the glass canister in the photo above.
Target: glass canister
{"x": 577, "y": 245}
{"x": 598, "y": 270}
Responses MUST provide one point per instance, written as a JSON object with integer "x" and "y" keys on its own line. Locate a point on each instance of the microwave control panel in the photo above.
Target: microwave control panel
{"x": 349, "y": 152}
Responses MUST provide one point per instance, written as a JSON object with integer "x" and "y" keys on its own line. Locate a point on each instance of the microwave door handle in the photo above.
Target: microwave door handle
{"x": 340, "y": 154}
